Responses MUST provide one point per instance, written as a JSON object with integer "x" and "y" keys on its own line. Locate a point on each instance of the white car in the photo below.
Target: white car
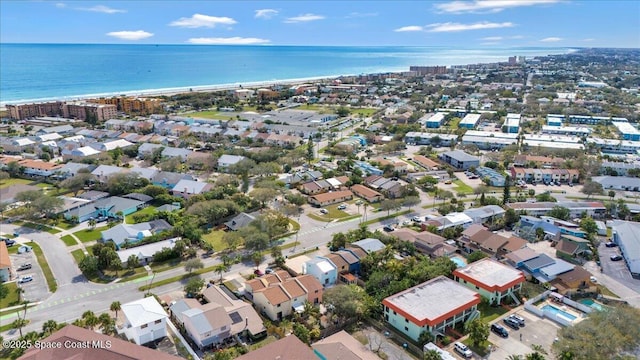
{"x": 25, "y": 279}
{"x": 324, "y": 211}
{"x": 342, "y": 207}
{"x": 416, "y": 219}
{"x": 462, "y": 349}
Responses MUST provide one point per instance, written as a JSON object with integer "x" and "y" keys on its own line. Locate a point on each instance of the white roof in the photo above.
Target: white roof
{"x": 491, "y": 273}
{"x": 145, "y": 251}
{"x": 433, "y": 299}
{"x": 24, "y": 142}
{"x": 626, "y": 128}
{"x": 143, "y": 311}
{"x": 87, "y": 151}
{"x": 470, "y": 119}
{"x": 47, "y": 137}
{"x": 120, "y": 143}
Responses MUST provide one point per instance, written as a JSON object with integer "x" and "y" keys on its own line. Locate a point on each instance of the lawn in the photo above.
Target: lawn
{"x": 44, "y": 227}
{"x": 88, "y": 235}
{"x": 148, "y": 210}
{"x": 481, "y": 350}
{"x": 489, "y": 313}
{"x": 462, "y": 188}
{"x": 8, "y": 182}
{"x": 44, "y": 265}
{"x": 69, "y": 240}
{"x": 78, "y": 255}
{"x": 214, "y": 238}
{"x": 333, "y": 214}
{"x": 366, "y": 112}
{"x": 12, "y": 297}
{"x": 210, "y": 114}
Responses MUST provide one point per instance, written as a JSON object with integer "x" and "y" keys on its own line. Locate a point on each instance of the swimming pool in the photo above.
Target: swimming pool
{"x": 592, "y": 304}
{"x": 459, "y": 262}
{"x": 554, "y": 310}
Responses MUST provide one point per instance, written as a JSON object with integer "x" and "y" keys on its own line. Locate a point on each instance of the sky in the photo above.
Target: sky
{"x": 458, "y": 23}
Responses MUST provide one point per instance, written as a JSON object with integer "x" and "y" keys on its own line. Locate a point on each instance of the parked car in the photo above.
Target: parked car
{"x": 416, "y": 219}
{"x": 519, "y": 319}
{"x": 616, "y": 257}
{"x": 501, "y": 331}
{"x": 268, "y": 271}
{"x": 101, "y": 219}
{"x": 462, "y": 349}
{"x": 258, "y": 272}
{"x": 342, "y": 206}
{"x": 570, "y": 184}
{"x": 25, "y": 279}
{"x": 511, "y": 323}
{"x": 324, "y": 211}
{"x": 8, "y": 242}
{"x": 388, "y": 228}
{"x": 26, "y": 266}
{"x": 610, "y": 244}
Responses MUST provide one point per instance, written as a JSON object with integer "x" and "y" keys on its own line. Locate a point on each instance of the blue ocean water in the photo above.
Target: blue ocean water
{"x": 67, "y": 71}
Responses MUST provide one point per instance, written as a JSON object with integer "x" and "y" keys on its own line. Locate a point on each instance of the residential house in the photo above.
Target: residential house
{"x": 426, "y": 163}
{"x": 451, "y": 220}
{"x": 109, "y": 347}
{"x": 432, "y": 306}
{"x": 228, "y": 160}
{"x": 427, "y": 243}
{"x": 575, "y": 281}
{"x": 5, "y": 263}
{"x": 144, "y": 320}
{"x": 595, "y": 209}
{"x": 280, "y": 299}
{"x": 187, "y": 188}
{"x": 112, "y": 207}
{"x": 145, "y": 253}
{"x": 517, "y": 258}
{"x": 287, "y": 348}
{"x": 485, "y": 214}
{"x": 221, "y": 318}
{"x": 341, "y": 345}
{"x": 315, "y": 187}
{"x": 239, "y": 221}
{"x": 366, "y": 193}
{"x": 111, "y": 145}
{"x": 133, "y": 233}
{"x": 369, "y": 245}
{"x": 168, "y": 179}
{"x": 351, "y": 259}
{"x": 322, "y": 269}
{"x": 104, "y": 172}
{"x": 571, "y": 247}
{"x": 39, "y": 167}
{"x": 491, "y": 279}
{"x": 330, "y": 198}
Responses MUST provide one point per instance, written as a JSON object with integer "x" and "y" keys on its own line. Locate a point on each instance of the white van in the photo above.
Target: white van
{"x": 462, "y": 349}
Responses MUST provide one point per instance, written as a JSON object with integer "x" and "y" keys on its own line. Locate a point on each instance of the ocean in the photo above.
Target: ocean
{"x": 36, "y": 72}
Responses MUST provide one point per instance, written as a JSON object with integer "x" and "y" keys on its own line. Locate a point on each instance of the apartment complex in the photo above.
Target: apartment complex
{"x": 73, "y": 110}
{"x": 128, "y": 105}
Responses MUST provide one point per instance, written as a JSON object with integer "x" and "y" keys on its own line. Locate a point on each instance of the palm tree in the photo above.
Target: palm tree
{"x": 514, "y": 357}
{"x": 19, "y": 291}
{"x": 310, "y": 310}
{"x": 221, "y": 269}
{"x": 257, "y": 258}
{"x": 19, "y": 324}
{"x": 49, "y": 327}
{"x": 432, "y": 355}
{"x": 115, "y": 306}
{"x": 107, "y": 324}
{"x": 90, "y": 319}
{"x": 92, "y": 224}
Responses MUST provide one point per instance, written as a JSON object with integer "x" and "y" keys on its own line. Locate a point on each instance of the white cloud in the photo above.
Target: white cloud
{"x": 487, "y": 6}
{"x": 61, "y": 5}
{"x": 266, "y": 13}
{"x": 453, "y": 27}
{"x": 103, "y": 9}
{"x": 492, "y": 38}
{"x": 199, "y": 20}
{"x": 130, "y": 35}
{"x": 228, "y": 41}
{"x": 409, "y": 28}
{"x": 588, "y": 40}
{"x": 304, "y": 18}
{"x": 551, "y": 39}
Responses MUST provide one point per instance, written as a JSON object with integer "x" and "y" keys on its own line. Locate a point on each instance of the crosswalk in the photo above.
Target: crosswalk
{"x": 69, "y": 299}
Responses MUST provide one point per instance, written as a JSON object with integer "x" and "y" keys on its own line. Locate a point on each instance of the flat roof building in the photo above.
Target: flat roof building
{"x": 488, "y": 140}
{"x": 627, "y": 131}
{"x": 512, "y": 123}
{"x": 469, "y": 121}
{"x": 627, "y": 235}
{"x": 491, "y": 279}
{"x": 431, "y": 306}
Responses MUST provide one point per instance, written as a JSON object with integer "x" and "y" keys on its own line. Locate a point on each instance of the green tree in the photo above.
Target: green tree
{"x": 49, "y": 327}
{"x": 411, "y": 201}
{"x": 263, "y": 195}
{"x": 19, "y": 324}
{"x": 193, "y": 264}
{"x": 560, "y": 212}
{"x": 592, "y": 188}
{"x": 92, "y": 223}
{"x": 511, "y": 217}
{"x": 475, "y": 256}
{"x": 4, "y": 291}
{"x": 257, "y": 258}
{"x": 342, "y": 111}
{"x": 589, "y": 225}
{"x": 612, "y": 194}
{"x": 388, "y": 205}
{"x": 347, "y": 302}
{"x": 115, "y": 307}
{"x": 302, "y": 333}
{"x": 506, "y": 193}
{"x": 107, "y": 324}
{"x": 221, "y": 269}
{"x": 478, "y": 331}
{"x": 132, "y": 261}
{"x": 90, "y": 319}
{"x": 193, "y": 286}
{"x": 432, "y": 355}
{"x": 47, "y": 205}
{"x": 77, "y": 182}
{"x": 310, "y": 154}
{"x": 89, "y": 265}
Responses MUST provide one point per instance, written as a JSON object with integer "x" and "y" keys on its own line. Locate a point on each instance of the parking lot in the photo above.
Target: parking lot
{"x": 616, "y": 269}
{"x": 537, "y": 331}
{"x": 36, "y": 289}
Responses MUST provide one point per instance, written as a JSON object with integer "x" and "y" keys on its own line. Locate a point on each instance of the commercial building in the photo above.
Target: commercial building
{"x": 427, "y": 138}
{"x": 469, "y": 121}
{"x": 554, "y": 142}
{"x": 624, "y": 183}
{"x": 566, "y": 130}
{"x": 610, "y": 146}
{"x": 627, "y": 131}
{"x": 594, "y": 209}
{"x": 489, "y": 140}
{"x": 434, "y": 121}
{"x": 555, "y": 120}
{"x": 589, "y": 120}
{"x": 492, "y": 280}
{"x": 512, "y": 123}
{"x": 618, "y": 168}
{"x": 627, "y": 235}
{"x": 459, "y": 159}
{"x": 432, "y": 306}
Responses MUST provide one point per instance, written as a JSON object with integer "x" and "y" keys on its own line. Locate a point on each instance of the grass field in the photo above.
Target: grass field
{"x": 462, "y": 188}
{"x": 490, "y": 313}
{"x": 44, "y": 265}
{"x": 12, "y": 296}
{"x": 333, "y": 214}
{"x": 87, "y": 235}
{"x": 214, "y": 238}
{"x": 148, "y": 210}
{"x": 69, "y": 240}
{"x": 211, "y": 114}
{"x": 8, "y": 182}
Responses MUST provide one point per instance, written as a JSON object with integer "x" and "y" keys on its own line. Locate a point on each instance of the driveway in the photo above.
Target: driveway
{"x": 36, "y": 289}
{"x": 378, "y": 342}
{"x": 537, "y": 331}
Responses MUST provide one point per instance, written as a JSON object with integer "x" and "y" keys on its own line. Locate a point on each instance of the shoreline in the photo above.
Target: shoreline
{"x": 183, "y": 89}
